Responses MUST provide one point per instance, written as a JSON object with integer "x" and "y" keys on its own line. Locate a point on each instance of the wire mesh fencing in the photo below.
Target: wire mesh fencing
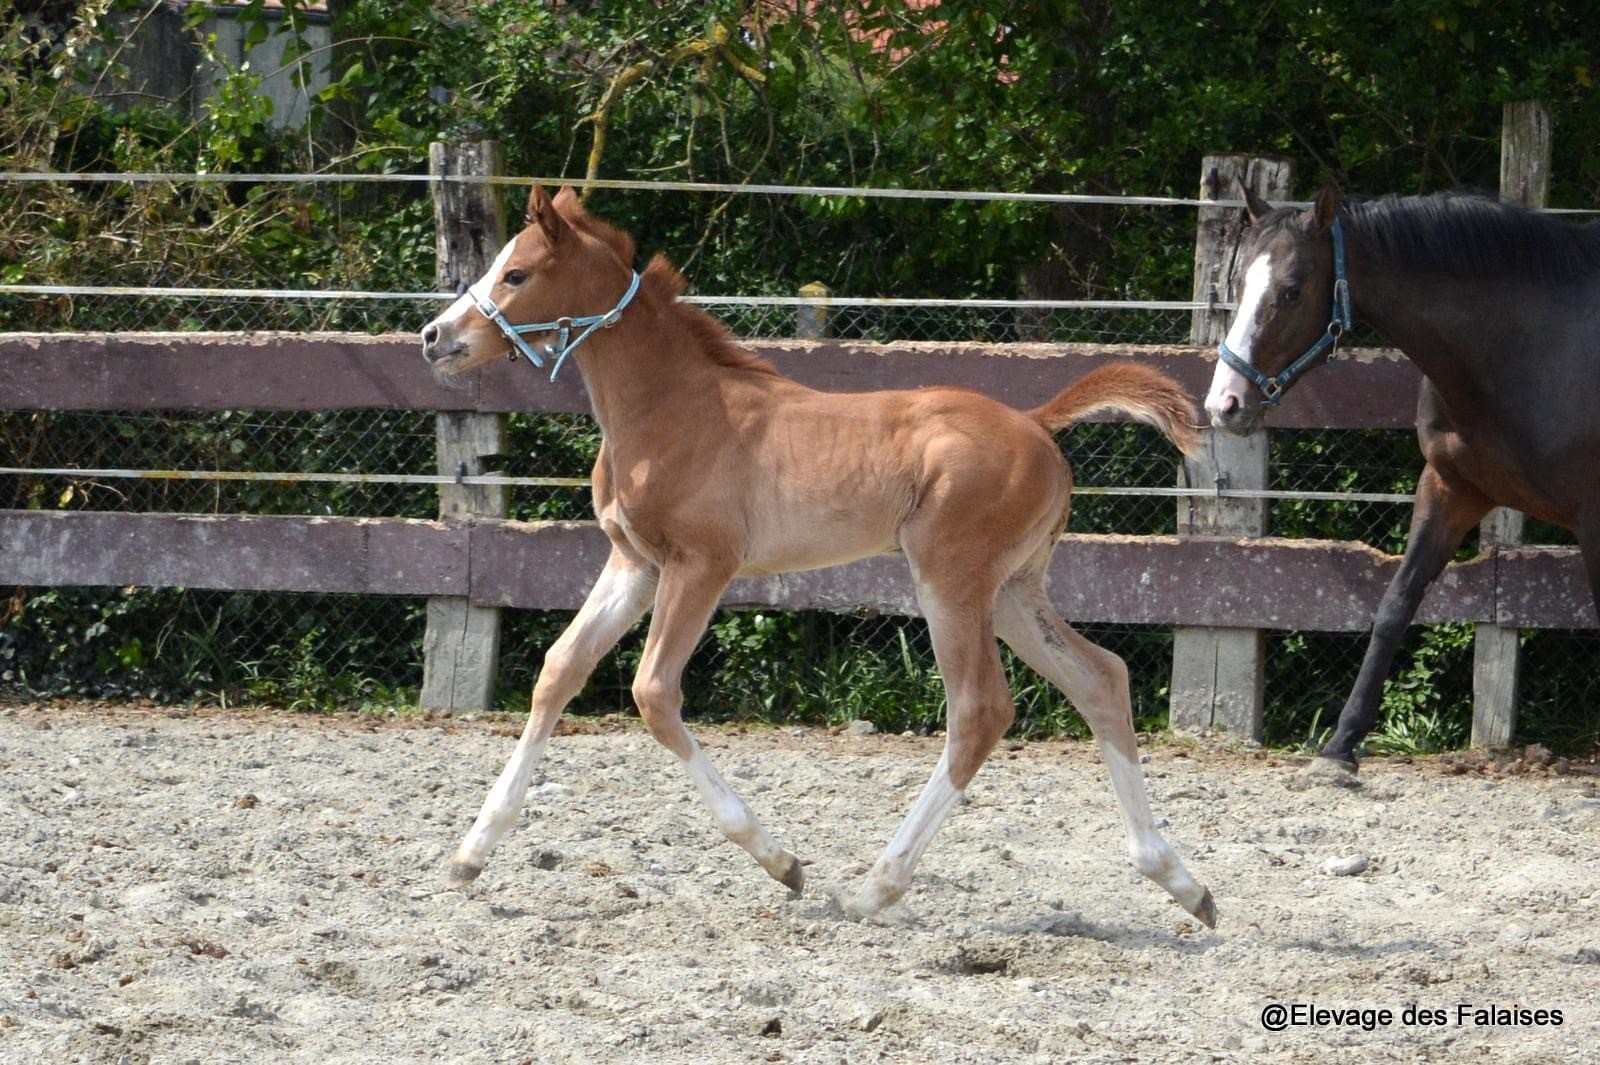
{"x": 309, "y": 650}
{"x": 27, "y": 312}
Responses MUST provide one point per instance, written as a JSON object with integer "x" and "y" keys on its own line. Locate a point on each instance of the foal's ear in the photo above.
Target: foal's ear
{"x": 567, "y": 201}
{"x": 1254, "y": 205}
{"x": 542, "y": 213}
{"x": 1323, "y": 209}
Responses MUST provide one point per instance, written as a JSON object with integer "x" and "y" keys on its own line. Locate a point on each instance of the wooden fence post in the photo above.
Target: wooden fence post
{"x": 811, "y": 321}
{"x": 462, "y": 646}
{"x": 1496, "y": 655}
{"x": 1217, "y": 672}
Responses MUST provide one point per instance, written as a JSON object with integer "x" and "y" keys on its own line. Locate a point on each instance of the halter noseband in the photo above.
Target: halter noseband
{"x": 563, "y": 327}
{"x": 1274, "y": 387}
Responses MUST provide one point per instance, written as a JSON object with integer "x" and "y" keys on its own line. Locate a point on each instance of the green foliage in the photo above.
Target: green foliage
{"x": 177, "y": 645}
{"x": 1423, "y": 698}
{"x": 237, "y": 119}
{"x": 1426, "y": 703}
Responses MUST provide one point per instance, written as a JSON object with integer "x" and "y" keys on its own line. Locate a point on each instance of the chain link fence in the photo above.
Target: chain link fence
{"x": 306, "y": 650}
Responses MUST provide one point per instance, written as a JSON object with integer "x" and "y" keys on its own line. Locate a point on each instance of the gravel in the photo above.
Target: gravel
{"x": 148, "y": 912}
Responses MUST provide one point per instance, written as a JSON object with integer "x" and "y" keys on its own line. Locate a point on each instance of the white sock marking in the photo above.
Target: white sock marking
{"x": 891, "y": 874}
{"x": 1152, "y": 855}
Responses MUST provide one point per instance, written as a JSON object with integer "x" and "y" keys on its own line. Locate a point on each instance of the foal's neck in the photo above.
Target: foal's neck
{"x": 650, "y": 369}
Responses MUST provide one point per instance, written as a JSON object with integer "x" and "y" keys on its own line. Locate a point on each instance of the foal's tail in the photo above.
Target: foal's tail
{"x": 1146, "y": 394}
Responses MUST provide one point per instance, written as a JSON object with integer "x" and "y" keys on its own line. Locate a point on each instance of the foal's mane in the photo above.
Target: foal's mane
{"x": 661, "y": 280}
{"x": 1468, "y": 235}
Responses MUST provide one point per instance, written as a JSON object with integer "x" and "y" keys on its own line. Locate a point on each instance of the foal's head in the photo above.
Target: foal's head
{"x": 1284, "y": 305}
{"x": 562, "y": 264}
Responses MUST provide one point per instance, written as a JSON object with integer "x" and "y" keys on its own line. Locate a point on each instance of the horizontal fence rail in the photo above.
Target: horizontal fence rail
{"x": 1362, "y": 389}
{"x": 550, "y": 566}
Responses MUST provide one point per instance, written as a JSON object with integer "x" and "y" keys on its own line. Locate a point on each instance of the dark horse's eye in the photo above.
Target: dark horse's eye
{"x": 515, "y": 277}
{"x": 1290, "y": 295}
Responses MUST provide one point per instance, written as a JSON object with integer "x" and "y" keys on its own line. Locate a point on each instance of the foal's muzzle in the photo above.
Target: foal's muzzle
{"x": 439, "y": 342}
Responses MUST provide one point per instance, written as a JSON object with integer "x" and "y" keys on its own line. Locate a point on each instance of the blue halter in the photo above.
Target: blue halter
{"x": 563, "y": 327}
{"x": 1274, "y": 387}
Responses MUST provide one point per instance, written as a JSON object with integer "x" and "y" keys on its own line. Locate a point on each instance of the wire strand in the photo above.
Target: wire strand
{"x": 498, "y": 480}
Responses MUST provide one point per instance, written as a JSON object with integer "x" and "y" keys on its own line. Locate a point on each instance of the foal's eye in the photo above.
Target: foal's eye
{"x": 515, "y": 277}
{"x": 1290, "y": 295}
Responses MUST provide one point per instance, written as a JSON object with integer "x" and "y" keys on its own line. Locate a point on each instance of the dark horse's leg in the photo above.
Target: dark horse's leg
{"x": 1589, "y": 543}
{"x": 1443, "y": 514}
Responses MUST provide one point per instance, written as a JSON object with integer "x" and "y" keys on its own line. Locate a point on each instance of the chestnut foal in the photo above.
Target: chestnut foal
{"x": 714, "y": 466}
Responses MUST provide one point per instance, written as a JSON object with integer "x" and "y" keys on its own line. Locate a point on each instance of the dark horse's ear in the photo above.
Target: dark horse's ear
{"x": 1323, "y": 209}
{"x": 542, "y": 213}
{"x": 1254, "y": 205}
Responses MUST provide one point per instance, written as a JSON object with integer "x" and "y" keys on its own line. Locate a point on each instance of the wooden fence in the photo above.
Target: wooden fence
{"x": 1187, "y": 580}
{"x": 1221, "y": 581}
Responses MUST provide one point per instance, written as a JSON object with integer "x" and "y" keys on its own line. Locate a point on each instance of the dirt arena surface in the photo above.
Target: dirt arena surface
{"x": 182, "y": 886}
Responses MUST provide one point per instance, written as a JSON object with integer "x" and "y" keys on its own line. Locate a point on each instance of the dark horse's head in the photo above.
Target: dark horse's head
{"x": 1283, "y": 308}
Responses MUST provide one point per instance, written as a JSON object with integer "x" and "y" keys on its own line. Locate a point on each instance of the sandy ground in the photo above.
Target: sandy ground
{"x": 263, "y": 887}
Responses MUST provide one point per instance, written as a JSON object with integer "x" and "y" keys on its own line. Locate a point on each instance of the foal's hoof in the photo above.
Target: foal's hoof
{"x": 1326, "y": 771}
{"x": 1205, "y": 911}
{"x": 461, "y": 874}
{"x": 791, "y": 876}
{"x": 873, "y": 897}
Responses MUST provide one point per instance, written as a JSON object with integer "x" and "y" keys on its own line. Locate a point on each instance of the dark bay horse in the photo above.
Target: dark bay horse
{"x": 713, "y": 465}
{"x": 1499, "y": 307}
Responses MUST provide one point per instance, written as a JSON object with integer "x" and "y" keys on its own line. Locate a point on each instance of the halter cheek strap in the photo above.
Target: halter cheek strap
{"x": 1274, "y": 387}
{"x": 562, "y": 327}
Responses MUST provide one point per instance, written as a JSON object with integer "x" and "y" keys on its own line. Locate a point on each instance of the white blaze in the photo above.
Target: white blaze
{"x": 1226, "y": 380}
{"x": 464, "y": 303}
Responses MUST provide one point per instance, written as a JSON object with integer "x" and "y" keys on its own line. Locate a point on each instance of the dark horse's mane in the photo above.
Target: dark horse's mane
{"x": 1470, "y": 235}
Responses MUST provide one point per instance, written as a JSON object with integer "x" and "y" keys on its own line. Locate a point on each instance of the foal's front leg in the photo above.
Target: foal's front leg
{"x": 685, "y": 598}
{"x": 617, "y": 600}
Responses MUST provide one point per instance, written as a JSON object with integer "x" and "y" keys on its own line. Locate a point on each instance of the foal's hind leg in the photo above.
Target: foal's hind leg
{"x": 980, "y": 712}
{"x": 617, "y": 600}
{"x": 685, "y": 599}
{"x": 1097, "y": 683}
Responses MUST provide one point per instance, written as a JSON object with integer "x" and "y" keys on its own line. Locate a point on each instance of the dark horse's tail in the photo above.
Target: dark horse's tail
{"x": 1146, "y": 394}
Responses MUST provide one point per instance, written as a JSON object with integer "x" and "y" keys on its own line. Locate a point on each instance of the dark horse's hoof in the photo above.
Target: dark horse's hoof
{"x": 1326, "y": 771}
